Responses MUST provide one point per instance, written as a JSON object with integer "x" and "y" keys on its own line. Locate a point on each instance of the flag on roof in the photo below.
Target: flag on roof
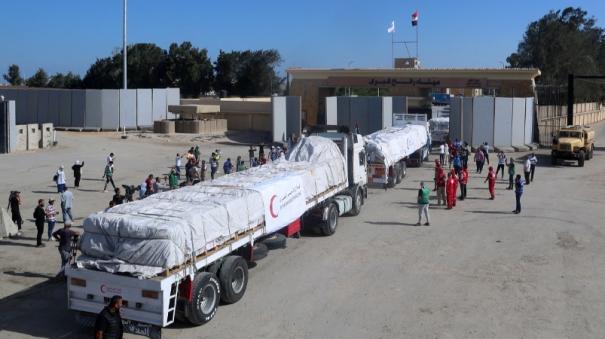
{"x": 391, "y": 28}
{"x": 415, "y": 18}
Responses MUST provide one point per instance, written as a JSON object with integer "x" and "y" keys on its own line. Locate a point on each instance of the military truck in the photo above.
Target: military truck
{"x": 573, "y": 143}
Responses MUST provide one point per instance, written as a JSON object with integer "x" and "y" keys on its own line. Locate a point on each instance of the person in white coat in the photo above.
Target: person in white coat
{"x": 60, "y": 179}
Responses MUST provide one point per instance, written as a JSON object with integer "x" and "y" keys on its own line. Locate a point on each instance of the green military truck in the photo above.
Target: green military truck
{"x": 573, "y": 143}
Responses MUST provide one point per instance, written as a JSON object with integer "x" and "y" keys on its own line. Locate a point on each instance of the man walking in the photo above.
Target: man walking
{"x": 39, "y": 217}
{"x": 213, "y": 166}
{"x": 442, "y": 153}
{"x": 451, "y": 188}
{"x": 228, "y": 166}
{"x": 501, "y": 163}
{"x": 67, "y": 201}
{"x": 423, "y": 204}
{"x": 14, "y": 203}
{"x": 109, "y": 176}
{"x": 519, "y": 183}
{"x": 177, "y": 165}
{"x": 65, "y": 236}
{"x": 441, "y": 181}
{"x": 51, "y": 217}
{"x": 77, "y": 168}
{"x": 109, "y": 322}
{"x": 485, "y": 148}
{"x": 491, "y": 180}
{"x": 533, "y": 161}
{"x": 463, "y": 181}
{"x": 527, "y": 170}
{"x": 479, "y": 159}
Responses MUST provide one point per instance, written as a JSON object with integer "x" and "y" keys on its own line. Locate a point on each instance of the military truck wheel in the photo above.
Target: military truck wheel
{"x": 357, "y": 202}
{"x": 590, "y": 153}
{"x": 234, "y": 279}
{"x": 328, "y": 227}
{"x": 581, "y": 158}
{"x": 206, "y": 295}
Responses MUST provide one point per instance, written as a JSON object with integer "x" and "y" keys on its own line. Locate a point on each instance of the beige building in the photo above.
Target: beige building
{"x": 314, "y": 85}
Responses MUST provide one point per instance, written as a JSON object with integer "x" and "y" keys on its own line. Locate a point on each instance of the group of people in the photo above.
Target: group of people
{"x": 446, "y": 185}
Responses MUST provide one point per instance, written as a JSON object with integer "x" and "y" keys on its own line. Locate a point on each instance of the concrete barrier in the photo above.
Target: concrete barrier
{"x": 164, "y": 127}
{"x": 33, "y": 137}
{"x": 21, "y": 138}
{"x": 46, "y": 135}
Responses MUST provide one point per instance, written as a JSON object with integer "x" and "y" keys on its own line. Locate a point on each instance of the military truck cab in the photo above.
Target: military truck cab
{"x": 573, "y": 143}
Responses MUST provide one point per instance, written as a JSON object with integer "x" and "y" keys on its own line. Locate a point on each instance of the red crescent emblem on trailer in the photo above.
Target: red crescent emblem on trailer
{"x": 271, "y": 210}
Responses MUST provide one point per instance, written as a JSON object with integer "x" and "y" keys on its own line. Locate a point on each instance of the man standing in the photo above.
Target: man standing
{"x": 64, "y": 236}
{"x": 511, "y": 173}
{"x": 423, "y": 204}
{"x": 14, "y": 203}
{"x": 533, "y": 161}
{"x": 486, "y": 151}
{"x": 173, "y": 180}
{"x": 77, "y": 168}
{"x": 451, "y": 188}
{"x": 491, "y": 179}
{"x": 109, "y": 159}
{"x": 213, "y": 166}
{"x": 51, "y": 217}
{"x": 67, "y": 201}
{"x": 109, "y": 322}
{"x": 464, "y": 152}
{"x": 442, "y": 153}
{"x": 519, "y": 183}
{"x": 60, "y": 175}
{"x": 39, "y": 217}
{"x": 118, "y": 198}
{"x": 177, "y": 165}
{"x": 437, "y": 168}
{"x": 251, "y": 154}
{"x": 527, "y": 170}
{"x": 479, "y": 159}
{"x": 501, "y": 163}
{"x": 196, "y": 153}
{"x": 441, "y": 181}
{"x": 463, "y": 182}
{"x": 228, "y": 166}
{"x": 109, "y": 176}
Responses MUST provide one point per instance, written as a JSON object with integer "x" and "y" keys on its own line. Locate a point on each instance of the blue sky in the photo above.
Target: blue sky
{"x": 68, "y": 35}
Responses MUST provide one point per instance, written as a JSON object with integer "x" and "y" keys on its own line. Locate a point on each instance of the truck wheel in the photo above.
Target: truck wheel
{"x": 328, "y": 227}
{"x": 86, "y": 319}
{"x": 357, "y": 202}
{"x": 399, "y": 174}
{"x": 589, "y": 154}
{"x": 275, "y": 241}
{"x": 259, "y": 251}
{"x": 581, "y": 158}
{"x": 206, "y": 294}
{"x": 234, "y": 279}
{"x": 404, "y": 170}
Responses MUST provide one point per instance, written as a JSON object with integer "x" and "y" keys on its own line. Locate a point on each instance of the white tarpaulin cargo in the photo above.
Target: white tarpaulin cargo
{"x": 391, "y": 144}
{"x": 166, "y": 229}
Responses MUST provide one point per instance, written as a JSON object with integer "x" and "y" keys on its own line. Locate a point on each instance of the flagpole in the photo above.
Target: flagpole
{"x": 392, "y": 51}
{"x": 417, "y": 44}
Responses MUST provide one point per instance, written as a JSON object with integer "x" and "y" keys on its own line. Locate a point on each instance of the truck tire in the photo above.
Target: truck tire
{"x": 589, "y": 153}
{"x": 86, "y": 319}
{"x": 204, "y": 302}
{"x": 234, "y": 279}
{"x": 581, "y": 158}
{"x": 275, "y": 241}
{"x": 328, "y": 227}
{"x": 404, "y": 170}
{"x": 399, "y": 174}
{"x": 259, "y": 251}
{"x": 357, "y": 202}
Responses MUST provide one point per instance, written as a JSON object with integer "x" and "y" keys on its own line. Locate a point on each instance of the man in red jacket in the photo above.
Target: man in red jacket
{"x": 451, "y": 187}
{"x": 440, "y": 181}
{"x": 491, "y": 178}
{"x": 437, "y": 168}
{"x": 463, "y": 182}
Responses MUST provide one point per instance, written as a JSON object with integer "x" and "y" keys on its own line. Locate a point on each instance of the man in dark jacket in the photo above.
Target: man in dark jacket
{"x": 77, "y": 168}
{"x": 109, "y": 322}
{"x": 14, "y": 203}
{"x": 39, "y": 217}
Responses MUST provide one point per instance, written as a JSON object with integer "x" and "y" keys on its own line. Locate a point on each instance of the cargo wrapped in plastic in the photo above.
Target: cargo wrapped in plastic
{"x": 164, "y": 230}
{"x": 392, "y": 144}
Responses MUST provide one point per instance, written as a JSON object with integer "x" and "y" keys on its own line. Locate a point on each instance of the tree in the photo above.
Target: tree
{"x": 144, "y": 66}
{"x": 248, "y": 73}
{"x": 188, "y": 68}
{"x": 69, "y": 80}
{"x": 13, "y": 76}
{"x": 563, "y": 42}
{"x": 39, "y": 79}
{"x": 104, "y": 73}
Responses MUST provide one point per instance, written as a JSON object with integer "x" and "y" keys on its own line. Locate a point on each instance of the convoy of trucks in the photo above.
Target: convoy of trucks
{"x": 177, "y": 265}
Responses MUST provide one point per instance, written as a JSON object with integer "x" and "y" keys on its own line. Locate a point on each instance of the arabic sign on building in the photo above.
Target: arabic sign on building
{"x": 386, "y": 82}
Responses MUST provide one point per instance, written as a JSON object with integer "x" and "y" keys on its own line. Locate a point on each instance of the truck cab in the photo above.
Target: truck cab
{"x": 573, "y": 143}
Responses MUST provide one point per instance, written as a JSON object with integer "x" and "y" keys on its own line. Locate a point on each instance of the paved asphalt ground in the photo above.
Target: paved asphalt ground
{"x": 478, "y": 271}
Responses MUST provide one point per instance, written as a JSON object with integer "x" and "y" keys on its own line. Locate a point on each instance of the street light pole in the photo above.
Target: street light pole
{"x": 124, "y": 47}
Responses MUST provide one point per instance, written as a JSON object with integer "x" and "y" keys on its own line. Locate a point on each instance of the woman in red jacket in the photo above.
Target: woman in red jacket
{"x": 451, "y": 187}
{"x": 491, "y": 178}
{"x": 463, "y": 182}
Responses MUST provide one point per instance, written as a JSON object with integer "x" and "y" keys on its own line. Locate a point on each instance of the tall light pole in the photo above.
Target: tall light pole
{"x": 124, "y": 47}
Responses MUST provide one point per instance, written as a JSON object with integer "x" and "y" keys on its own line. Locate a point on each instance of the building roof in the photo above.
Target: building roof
{"x": 490, "y": 73}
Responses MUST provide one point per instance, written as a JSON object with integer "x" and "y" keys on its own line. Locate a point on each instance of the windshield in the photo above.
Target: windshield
{"x": 569, "y": 134}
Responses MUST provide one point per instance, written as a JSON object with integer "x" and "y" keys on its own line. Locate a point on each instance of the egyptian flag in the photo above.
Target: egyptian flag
{"x": 415, "y": 19}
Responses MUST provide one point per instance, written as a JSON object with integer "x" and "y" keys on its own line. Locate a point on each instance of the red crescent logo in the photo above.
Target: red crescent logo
{"x": 103, "y": 288}
{"x": 273, "y": 214}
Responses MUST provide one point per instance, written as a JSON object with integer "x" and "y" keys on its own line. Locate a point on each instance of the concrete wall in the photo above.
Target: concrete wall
{"x": 367, "y": 113}
{"x": 518, "y": 125}
{"x": 93, "y": 108}
{"x": 33, "y": 137}
{"x": 483, "y": 120}
{"x": 387, "y": 111}
{"x": 286, "y": 117}
{"x": 503, "y": 122}
{"x": 8, "y": 131}
{"x": 21, "y": 138}
{"x": 529, "y": 120}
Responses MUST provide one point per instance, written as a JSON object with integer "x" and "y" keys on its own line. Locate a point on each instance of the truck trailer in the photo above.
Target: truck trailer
{"x": 175, "y": 255}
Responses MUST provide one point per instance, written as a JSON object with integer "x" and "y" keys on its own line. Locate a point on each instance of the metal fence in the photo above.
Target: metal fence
{"x": 551, "y": 118}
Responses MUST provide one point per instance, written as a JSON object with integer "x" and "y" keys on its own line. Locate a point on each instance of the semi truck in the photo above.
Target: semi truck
{"x": 323, "y": 178}
{"x": 421, "y": 154}
{"x": 390, "y": 150}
